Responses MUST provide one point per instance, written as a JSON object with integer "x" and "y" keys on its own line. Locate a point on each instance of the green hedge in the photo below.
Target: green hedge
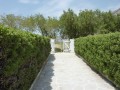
{"x": 102, "y": 52}
{"x": 22, "y": 54}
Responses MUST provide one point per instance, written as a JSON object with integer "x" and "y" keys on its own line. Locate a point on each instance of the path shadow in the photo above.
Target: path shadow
{"x": 44, "y": 79}
{"x": 101, "y": 75}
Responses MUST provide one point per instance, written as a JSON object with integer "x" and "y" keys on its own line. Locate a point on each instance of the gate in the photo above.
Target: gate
{"x": 67, "y": 46}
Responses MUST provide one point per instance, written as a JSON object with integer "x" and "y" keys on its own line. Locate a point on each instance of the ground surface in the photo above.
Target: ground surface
{"x": 65, "y": 71}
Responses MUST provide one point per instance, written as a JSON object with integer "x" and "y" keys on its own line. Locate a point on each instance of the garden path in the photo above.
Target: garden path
{"x": 66, "y": 71}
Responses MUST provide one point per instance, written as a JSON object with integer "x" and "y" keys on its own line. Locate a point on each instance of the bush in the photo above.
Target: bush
{"x": 102, "y": 52}
{"x": 22, "y": 54}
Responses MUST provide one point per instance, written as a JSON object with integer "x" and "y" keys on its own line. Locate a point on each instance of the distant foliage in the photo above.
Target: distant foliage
{"x": 22, "y": 54}
{"x": 88, "y": 22}
{"x": 35, "y": 23}
{"x": 68, "y": 25}
{"x": 102, "y": 52}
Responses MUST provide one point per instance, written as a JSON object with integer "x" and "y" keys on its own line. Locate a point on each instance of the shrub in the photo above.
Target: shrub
{"x": 102, "y": 52}
{"x": 22, "y": 54}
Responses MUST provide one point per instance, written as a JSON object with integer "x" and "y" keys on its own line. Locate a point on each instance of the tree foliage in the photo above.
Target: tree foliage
{"x": 68, "y": 25}
{"x": 89, "y": 22}
{"x": 11, "y": 20}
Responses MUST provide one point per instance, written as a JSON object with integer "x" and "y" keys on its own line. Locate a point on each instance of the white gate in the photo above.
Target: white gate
{"x": 68, "y": 45}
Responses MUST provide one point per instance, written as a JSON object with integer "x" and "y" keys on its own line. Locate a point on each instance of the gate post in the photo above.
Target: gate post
{"x": 72, "y": 45}
{"x": 52, "y": 42}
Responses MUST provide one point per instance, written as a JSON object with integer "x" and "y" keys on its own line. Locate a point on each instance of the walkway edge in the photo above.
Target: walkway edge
{"x": 39, "y": 72}
{"x": 99, "y": 73}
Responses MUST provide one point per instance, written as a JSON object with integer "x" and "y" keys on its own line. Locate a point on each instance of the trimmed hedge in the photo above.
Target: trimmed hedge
{"x": 102, "y": 52}
{"x": 22, "y": 54}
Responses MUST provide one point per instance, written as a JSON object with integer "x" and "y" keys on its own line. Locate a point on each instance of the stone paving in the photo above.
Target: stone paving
{"x": 65, "y": 71}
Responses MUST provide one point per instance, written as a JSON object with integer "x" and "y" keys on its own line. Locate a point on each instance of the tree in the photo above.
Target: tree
{"x": 52, "y": 26}
{"x": 41, "y": 24}
{"x": 87, "y": 22}
{"x": 117, "y": 24}
{"x": 68, "y": 24}
{"x": 47, "y": 26}
{"x": 11, "y": 20}
{"x": 28, "y": 24}
{"x": 109, "y": 22}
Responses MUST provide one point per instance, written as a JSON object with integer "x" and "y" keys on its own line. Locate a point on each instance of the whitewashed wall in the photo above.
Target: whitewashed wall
{"x": 71, "y": 45}
{"x": 52, "y": 42}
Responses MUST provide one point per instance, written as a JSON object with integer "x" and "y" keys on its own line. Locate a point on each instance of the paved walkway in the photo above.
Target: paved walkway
{"x": 65, "y": 71}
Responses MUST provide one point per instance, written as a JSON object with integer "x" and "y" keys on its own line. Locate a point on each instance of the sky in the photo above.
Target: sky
{"x": 54, "y": 8}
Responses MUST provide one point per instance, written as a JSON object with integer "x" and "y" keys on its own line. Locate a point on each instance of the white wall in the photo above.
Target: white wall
{"x": 71, "y": 45}
{"x": 52, "y": 42}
